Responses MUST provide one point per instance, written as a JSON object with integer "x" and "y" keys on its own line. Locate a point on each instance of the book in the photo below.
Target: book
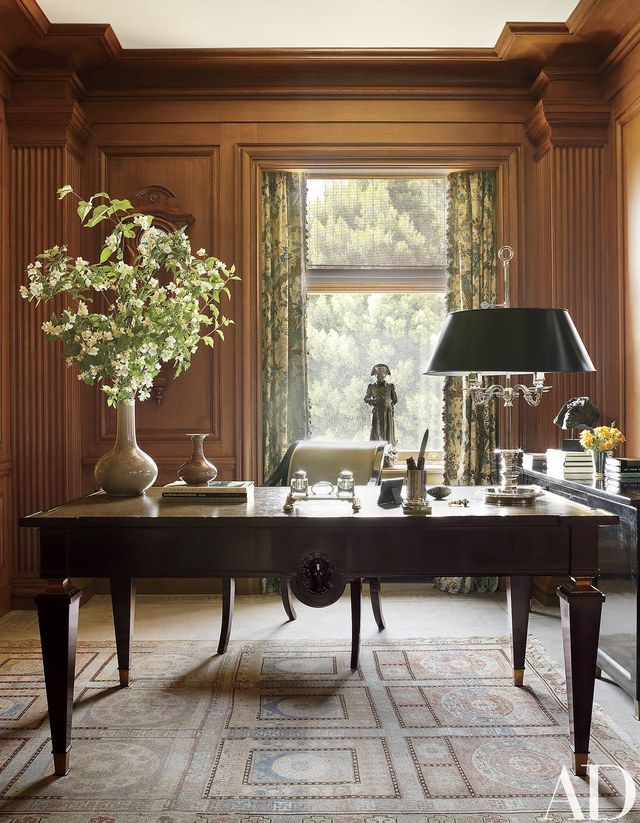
{"x": 615, "y": 469}
{"x": 534, "y": 461}
{"x": 622, "y": 476}
{"x": 213, "y": 490}
{"x": 562, "y": 458}
{"x": 624, "y": 462}
{"x": 622, "y": 487}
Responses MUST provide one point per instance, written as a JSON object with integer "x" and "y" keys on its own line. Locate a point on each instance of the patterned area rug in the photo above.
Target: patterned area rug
{"x": 424, "y": 732}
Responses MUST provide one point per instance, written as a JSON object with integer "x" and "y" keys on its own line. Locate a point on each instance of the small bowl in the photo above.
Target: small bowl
{"x": 439, "y": 492}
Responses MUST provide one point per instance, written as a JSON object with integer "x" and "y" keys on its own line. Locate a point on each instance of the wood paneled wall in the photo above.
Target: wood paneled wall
{"x": 547, "y": 128}
{"x": 624, "y": 229}
{"x": 46, "y": 408}
{"x": 6, "y": 519}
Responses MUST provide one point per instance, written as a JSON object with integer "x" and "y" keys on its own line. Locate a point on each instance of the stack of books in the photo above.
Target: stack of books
{"x": 622, "y": 474}
{"x": 569, "y": 465}
{"x": 535, "y": 461}
{"x": 218, "y": 491}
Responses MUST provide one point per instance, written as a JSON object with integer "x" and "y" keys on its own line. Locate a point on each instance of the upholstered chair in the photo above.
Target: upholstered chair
{"x": 322, "y": 460}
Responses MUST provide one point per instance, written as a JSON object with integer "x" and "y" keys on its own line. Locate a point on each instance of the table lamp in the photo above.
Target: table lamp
{"x": 503, "y": 341}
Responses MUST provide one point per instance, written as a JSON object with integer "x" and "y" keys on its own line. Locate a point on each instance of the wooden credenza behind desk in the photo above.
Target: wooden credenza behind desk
{"x": 619, "y": 649}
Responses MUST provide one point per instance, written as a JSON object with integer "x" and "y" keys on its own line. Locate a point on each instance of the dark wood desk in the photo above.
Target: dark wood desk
{"x": 319, "y": 548}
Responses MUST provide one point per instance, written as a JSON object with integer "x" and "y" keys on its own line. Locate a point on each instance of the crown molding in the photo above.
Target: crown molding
{"x": 575, "y": 123}
{"x": 45, "y": 123}
{"x": 593, "y": 33}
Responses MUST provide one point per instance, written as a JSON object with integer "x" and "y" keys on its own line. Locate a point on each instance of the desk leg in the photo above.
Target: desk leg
{"x": 228, "y": 595}
{"x": 580, "y": 609}
{"x": 518, "y": 600}
{"x": 58, "y": 620}
{"x": 356, "y": 609}
{"x": 123, "y": 603}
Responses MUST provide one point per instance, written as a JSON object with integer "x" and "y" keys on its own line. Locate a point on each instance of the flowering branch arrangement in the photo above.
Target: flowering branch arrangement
{"x": 144, "y": 323}
{"x": 602, "y": 438}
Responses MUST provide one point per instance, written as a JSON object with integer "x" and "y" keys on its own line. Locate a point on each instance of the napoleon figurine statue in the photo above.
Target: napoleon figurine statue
{"x": 382, "y": 398}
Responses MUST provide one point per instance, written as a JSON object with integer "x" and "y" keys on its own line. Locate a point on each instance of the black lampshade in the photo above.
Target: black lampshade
{"x": 509, "y": 341}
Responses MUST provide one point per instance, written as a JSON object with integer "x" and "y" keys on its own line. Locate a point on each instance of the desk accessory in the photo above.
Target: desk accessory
{"x": 439, "y": 492}
{"x": 416, "y": 502}
{"x": 197, "y": 470}
{"x": 343, "y": 491}
{"x": 215, "y": 490}
{"x": 503, "y": 341}
{"x": 391, "y": 492}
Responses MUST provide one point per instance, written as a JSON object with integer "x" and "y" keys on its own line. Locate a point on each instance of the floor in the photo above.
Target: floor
{"x": 411, "y": 611}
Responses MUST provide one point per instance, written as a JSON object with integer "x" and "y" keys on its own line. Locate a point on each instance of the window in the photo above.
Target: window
{"x": 376, "y": 275}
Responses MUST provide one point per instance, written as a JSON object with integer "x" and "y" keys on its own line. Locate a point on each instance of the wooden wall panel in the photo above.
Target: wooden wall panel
{"x": 576, "y": 275}
{"x": 630, "y": 178}
{"x": 45, "y": 390}
{"x": 6, "y": 530}
{"x": 625, "y": 228}
{"x": 200, "y": 400}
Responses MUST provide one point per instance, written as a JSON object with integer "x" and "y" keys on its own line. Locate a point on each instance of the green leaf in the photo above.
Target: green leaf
{"x": 100, "y": 213}
{"x": 105, "y": 254}
{"x": 121, "y": 205}
{"x": 220, "y": 333}
{"x": 208, "y": 341}
{"x": 83, "y": 209}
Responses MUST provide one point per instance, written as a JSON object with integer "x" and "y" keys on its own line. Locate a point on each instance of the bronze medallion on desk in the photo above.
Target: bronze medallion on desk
{"x": 317, "y": 582}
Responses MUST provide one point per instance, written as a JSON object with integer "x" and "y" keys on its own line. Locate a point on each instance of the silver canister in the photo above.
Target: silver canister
{"x": 416, "y": 501}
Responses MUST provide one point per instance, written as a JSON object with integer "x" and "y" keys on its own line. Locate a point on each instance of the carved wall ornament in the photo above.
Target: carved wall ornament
{"x": 168, "y": 216}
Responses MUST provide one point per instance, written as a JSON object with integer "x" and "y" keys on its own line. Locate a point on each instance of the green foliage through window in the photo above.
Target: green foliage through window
{"x": 347, "y": 334}
{"x": 387, "y": 222}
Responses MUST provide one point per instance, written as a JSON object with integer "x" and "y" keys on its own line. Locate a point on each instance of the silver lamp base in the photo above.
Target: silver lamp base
{"x": 508, "y": 493}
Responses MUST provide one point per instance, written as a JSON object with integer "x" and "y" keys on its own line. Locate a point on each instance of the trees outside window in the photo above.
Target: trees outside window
{"x": 376, "y": 276}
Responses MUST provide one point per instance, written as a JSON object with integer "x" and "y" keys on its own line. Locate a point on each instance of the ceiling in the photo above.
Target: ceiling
{"x": 153, "y": 24}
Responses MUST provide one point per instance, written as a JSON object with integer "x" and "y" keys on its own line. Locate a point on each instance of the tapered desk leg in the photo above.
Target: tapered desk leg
{"x": 580, "y": 609}
{"x": 123, "y": 603}
{"x": 285, "y": 594}
{"x": 356, "y": 608}
{"x": 518, "y": 599}
{"x": 376, "y": 602}
{"x": 228, "y": 594}
{"x": 58, "y": 620}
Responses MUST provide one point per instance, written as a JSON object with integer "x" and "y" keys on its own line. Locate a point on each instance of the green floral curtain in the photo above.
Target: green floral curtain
{"x": 285, "y": 403}
{"x": 469, "y": 430}
{"x": 285, "y": 406}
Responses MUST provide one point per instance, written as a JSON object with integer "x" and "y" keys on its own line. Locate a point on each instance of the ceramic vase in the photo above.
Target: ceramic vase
{"x": 599, "y": 459}
{"x": 126, "y": 471}
{"x": 197, "y": 471}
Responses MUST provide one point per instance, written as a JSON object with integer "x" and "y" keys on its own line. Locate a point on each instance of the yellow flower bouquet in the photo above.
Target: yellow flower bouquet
{"x": 602, "y": 438}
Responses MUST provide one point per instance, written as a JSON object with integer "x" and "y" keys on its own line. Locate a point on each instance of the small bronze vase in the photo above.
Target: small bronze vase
{"x": 599, "y": 461}
{"x": 197, "y": 471}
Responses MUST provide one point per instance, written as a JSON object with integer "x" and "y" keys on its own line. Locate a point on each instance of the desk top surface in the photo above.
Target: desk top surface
{"x": 266, "y": 510}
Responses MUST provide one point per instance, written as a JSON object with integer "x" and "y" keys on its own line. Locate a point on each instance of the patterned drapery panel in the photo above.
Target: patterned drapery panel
{"x": 285, "y": 406}
{"x": 469, "y": 430}
{"x": 285, "y": 402}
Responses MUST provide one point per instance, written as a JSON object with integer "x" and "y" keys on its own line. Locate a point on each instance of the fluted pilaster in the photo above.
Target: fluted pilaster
{"x": 46, "y": 431}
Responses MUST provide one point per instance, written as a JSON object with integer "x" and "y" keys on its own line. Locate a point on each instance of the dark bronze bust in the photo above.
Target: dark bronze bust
{"x": 578, "y": 413}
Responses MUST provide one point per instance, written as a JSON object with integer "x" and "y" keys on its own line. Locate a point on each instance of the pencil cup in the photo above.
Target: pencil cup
{"x": 416, "y": 502}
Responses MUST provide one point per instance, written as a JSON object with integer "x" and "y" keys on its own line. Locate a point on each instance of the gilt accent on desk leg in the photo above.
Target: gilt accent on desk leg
{"x": 580, "y": 609}
{"x": 57, "y": 609}
{"x": 123, "y": 603}
{"x": 518, "y": 600}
